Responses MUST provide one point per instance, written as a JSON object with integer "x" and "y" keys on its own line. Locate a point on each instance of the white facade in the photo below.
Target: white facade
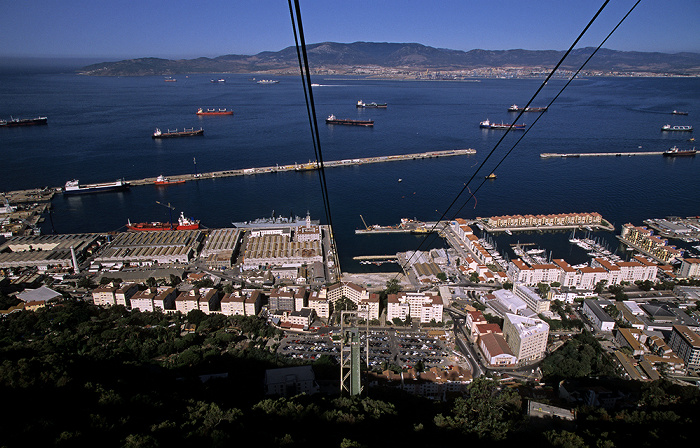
{"x": 421, "y": 307}
{"x": 526, "y": 337}
{"x": 585, "y": 277}
{"x": 593, "y": 309}
{"x": 319, "y": 303}
{"x": 531, "y": 298}
{"x": 233, "y": 304}
{"x": 690, "y": 268}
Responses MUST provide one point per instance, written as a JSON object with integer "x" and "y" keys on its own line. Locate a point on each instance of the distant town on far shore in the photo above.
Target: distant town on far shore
{"x": 416, "y": 61}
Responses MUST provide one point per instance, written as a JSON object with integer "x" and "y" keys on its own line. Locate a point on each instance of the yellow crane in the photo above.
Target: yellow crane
{"x": 363, "y": 222}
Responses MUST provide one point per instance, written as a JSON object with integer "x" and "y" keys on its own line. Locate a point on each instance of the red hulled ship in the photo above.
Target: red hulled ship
{"x": 183, "y": 223}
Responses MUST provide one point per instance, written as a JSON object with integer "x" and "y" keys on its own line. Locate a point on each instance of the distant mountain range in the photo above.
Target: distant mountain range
{"x": 343, "y": 58}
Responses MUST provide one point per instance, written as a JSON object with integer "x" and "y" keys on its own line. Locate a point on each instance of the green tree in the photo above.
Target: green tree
{"x": 600, "y": 286}
{"x": 442, "y": 276}
{"x": 474, "y": 277}
{"x": 85, "y": 282}
{"x": 196, "y": 317}
{"x": 175, "y": 280}
{"x": 151, "y": 282}
{"x": 543, "y": 289}
{"x": 392, "y": 286}
{"x": 485, "y": 411}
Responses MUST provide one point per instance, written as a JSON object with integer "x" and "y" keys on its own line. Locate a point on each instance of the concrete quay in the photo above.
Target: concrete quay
{"x": 309, "y": 166}
{"x": 546, "y": 155}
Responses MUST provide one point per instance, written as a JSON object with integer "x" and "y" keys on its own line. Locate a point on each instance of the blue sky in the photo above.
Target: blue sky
{"x": 187, "y": 29}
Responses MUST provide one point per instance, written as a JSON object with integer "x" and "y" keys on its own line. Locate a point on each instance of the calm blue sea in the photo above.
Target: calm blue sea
{"x": 100, "y": 130}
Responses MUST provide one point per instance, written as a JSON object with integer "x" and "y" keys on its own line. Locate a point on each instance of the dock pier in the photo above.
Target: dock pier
{"x": 309, "y": 166}
{"x": 547, "y": 155}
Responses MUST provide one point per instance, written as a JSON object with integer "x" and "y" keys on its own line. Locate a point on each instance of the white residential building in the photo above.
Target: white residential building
{"x": 526, "y": 337}
{"x": 143, "y": 300}
{"x": 422, "y": 307}
{"x": 531, "y": 298}
{"x": 104, "y": 295}
{"x": 347, "y": 289}
{"x": 369, "y": 308}
{"x": 320, "y": 303}
{"x": 690, "y": 268}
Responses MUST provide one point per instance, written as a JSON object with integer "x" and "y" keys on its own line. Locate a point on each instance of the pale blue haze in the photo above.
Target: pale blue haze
{"x": 186, "y": 29}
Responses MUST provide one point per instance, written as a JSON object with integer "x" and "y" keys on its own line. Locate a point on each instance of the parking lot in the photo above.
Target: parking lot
{"x": 404, "y": 348}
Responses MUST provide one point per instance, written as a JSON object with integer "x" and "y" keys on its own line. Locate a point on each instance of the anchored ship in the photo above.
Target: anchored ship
{"x": 333, "y": 120}
{"x": 675, "y": 152}
{"x": 201, "y": 111}
{"x": 668, "y": 127}
{"x": 486, "y": 124}
{"x": 515, "y": 108}
{"x": 12, "y": 122}
{"x": 74, "y": 187}
{"x": 183, "y": 223}
{"x": 268, "y": 81}
{"x": 184, "y": 133}
{"x": 374, "y": 105}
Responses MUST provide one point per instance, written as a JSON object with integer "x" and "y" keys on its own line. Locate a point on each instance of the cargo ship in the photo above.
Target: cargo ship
{"x": 214, "y": 112}
{"x": 515, "y": 108}
{"x": 74, "y": 187}
{"x": 12, "y": 122}
{"x": 162, "y": 180}
{"x": 268, "y": 81}
{"x": 675, "y": 152}
{"x": 215, "y": 81}
{"x": 184, "y": 133}
{"x": 183, "y": 223}
{"x": 333, "y": 120}
{"x": 486, "y": 124}
{"x": 668, "y": 127}
{"x": 373, "y": 105}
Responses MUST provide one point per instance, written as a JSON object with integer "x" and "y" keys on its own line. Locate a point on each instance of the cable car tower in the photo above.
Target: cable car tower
{"x": 350, "y": 351}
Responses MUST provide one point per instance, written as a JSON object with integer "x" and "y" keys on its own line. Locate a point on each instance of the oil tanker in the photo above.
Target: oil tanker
{"x": 183, "y": 223}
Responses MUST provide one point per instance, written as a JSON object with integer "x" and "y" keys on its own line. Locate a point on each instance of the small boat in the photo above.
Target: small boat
{"x": 490, "y": 176}
{"x": 162, "y": 180}
{"x": 486, "y": 124}
{"x": 678, "y": 112}
{"x": 170, "y": 79}
{"x": 333, "y": 120}
{"x": 13, "y": 122}
{"x": 184, "y": 133}
{"x": 214, "y": 112}
{"x": 508, "y": 232}
{"x": 668, "y": 127}
{"x": 515, "y": 108}
{"x": 268, "y": 81}
{"x": 215, "y": 81}
{"x": 675, "y": 152}
{"x": 360, "y": 103}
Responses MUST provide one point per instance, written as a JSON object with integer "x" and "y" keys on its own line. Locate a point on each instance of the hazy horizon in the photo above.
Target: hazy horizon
{"x": 111, "y": 31}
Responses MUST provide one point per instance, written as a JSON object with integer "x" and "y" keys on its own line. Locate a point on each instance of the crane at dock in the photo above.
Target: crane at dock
{"x": 171, "y": 211}
{"x": 363, "y": 222}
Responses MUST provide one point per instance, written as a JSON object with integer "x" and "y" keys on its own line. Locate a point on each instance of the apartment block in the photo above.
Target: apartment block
{"x": 526, "y": 337}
